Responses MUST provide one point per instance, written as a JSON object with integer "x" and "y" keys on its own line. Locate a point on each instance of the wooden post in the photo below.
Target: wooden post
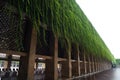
{"x": 95, "y": 64}
{"x": 31, "y": 59}
{"x": 100, "y": 64}
{"x": 9, "y": 61}
{"x": 36, "y": 63}
{"x": 52, "y": 64}
{"x": 66, "y": 65}
{"x": 76, "y": 64}
{"x": 22, "y": 74}
{"x": 93, "y": 67}
{"x": 84, "y": 63}
{"x": 26, "y": 70}
{"x": 89, "y": 63}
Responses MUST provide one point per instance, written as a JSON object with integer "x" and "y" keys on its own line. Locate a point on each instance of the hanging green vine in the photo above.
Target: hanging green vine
{"x": 66, "y": 20}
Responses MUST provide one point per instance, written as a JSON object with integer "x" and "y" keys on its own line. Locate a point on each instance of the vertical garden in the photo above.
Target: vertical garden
{"x": 64, "y": 18}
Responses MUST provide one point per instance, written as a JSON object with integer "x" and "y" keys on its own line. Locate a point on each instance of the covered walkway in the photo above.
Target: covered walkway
{"x": 113, "y": 74}
{"x": 55, "y": 33}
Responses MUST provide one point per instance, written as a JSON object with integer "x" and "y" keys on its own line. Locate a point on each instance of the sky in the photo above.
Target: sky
{"x": 105, "y": 17}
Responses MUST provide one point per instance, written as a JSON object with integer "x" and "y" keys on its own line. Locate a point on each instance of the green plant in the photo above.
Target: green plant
{"x": 66, "y": 20}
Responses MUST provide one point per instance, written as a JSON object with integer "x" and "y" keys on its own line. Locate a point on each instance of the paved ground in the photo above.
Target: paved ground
{"x": 113, "y": 74}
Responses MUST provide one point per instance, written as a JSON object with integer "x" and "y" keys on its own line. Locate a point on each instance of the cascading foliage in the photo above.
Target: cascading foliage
{"x": 66, "y": 20}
